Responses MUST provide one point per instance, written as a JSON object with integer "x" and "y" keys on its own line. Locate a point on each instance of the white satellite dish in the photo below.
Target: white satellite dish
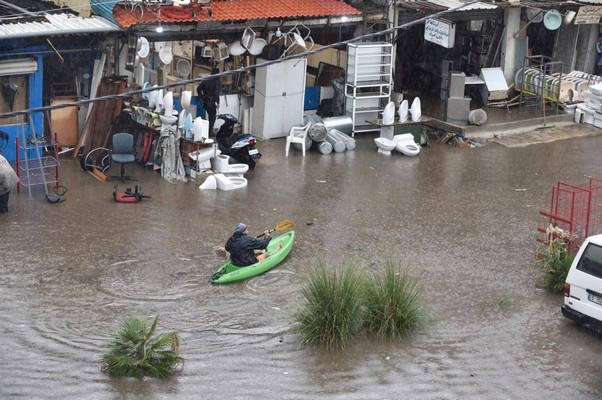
{"x": 257, "y": 46}
{"x": 237, "y": 49}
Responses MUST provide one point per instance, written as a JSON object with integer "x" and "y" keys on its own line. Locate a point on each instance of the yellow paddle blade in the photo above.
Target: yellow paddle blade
{"x": 284, "y": 224}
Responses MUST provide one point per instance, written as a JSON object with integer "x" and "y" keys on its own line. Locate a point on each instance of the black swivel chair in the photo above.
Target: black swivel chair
{"x": 123, "y": 153}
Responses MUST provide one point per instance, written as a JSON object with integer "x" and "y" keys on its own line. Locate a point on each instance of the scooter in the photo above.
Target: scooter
{"x": 239, "y": 146}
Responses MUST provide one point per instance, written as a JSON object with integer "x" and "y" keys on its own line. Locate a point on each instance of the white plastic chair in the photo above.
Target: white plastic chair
{"x": 297, "y": 134}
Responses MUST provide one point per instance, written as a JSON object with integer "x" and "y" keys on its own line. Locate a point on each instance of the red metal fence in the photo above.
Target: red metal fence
{"x": 575, "y": 213}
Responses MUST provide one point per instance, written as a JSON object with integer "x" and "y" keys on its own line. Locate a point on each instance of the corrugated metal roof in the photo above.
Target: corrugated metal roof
{"x": 56, "y": 24}
{"x": 444, "y": 5}
{"x": 455, "y": 3}
{"x": 104, "y": 8}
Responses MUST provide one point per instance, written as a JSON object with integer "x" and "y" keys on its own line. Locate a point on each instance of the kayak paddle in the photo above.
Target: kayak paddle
{"x": 281, "y": 226}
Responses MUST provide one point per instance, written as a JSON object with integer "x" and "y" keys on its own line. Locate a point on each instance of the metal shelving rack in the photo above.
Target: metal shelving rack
{"x": 538, "y": 91}
{"x": 36, "y": 169}
{"x": 368, "y": 82}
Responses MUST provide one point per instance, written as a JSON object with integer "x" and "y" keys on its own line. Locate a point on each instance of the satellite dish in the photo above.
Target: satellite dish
{"x": 552, "y": 20}
{"x": 534, "y": 15}
{"x": 257, "y": 46}
{"x": 237, "y": 49}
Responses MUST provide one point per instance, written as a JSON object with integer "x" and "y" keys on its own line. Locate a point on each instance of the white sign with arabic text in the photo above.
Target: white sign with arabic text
{"x": 440, "y": 32}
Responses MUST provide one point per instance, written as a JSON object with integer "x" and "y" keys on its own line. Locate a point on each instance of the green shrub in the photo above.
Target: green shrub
{"x": 137, "y": 352}
{"x": 331, "y": 312}
{"x": 392, "y": 304}
{"x": 553, "y": 260}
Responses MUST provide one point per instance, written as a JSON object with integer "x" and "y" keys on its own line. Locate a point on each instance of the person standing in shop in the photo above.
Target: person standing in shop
{"x": 208, "y": 91}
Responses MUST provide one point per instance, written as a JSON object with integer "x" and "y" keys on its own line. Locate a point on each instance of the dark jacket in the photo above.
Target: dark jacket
{"x": 209, "y": 90}
{"x": 242, "y": 248}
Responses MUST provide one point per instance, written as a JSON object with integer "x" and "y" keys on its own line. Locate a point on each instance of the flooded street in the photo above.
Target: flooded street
{"x": 463, "y": 219}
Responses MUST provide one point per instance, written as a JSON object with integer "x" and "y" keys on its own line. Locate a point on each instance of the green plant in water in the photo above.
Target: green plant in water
{"x": 331, "y": 312}
{"x": 554, "y": 261}
{"x": 392, "y": 302}
{"x": 136, "y": 351}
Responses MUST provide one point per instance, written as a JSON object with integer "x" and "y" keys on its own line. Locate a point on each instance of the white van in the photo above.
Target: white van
{"x": 583, "y": 287}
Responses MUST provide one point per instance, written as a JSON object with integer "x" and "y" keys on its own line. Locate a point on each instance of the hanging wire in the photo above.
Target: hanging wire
{"x": 129, "y": 94}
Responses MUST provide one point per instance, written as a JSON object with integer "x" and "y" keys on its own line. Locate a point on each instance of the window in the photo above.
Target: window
{"x": 11, "y": 101}
{"x": 591, "y": 261}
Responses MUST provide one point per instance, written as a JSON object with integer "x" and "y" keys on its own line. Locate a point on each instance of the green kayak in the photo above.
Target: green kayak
{"x": 231, "y": 273}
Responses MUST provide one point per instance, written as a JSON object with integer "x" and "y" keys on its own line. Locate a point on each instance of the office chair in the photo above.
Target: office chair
{"x": 123, "y": 153}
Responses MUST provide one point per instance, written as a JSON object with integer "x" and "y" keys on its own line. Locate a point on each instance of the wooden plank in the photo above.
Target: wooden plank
{"x": 99, "y": 175}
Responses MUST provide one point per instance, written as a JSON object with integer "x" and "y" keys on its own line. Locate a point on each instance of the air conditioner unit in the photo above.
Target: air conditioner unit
{"x": 207, "y": 52}
{"x": 221, "y": 51}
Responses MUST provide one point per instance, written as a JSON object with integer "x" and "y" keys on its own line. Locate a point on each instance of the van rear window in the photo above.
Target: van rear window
{"x": 591, "y": 261}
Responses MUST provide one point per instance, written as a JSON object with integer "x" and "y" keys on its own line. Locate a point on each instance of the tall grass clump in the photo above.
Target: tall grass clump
{"x": 553, "y": 260}
{"x": 136, "y": 351}
{"x": 392, "y": 302}
{"x": 331, "y": 312}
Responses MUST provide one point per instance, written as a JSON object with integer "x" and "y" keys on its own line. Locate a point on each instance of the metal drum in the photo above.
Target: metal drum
{"x": 324, "y": 147}
{"x": 344, "y": 123}
{"x": 317, "y": 130}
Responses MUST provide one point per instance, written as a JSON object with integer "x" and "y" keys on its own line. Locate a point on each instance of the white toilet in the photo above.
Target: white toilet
{"x": 222, "y": 165}
{"x": 204, "y": 155}
{"x": 384, "y": 145}
{"x": 209, "y": 184}
{"x": 230, "y": 182}
{"x": 405, "y": 144}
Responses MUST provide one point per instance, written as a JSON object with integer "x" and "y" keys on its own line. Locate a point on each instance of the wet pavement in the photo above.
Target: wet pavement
{"x": 463, "y": 219}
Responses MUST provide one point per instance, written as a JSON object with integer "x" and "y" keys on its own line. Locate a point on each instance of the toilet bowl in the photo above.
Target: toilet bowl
{"x": 230, "y": 182}
{"x": 209, "y": 184}
{"x": 405, "y": 144}
{"x": 205, "y": 154}
{"x": 222, "y": 165}
{"x": 384, "y": 145}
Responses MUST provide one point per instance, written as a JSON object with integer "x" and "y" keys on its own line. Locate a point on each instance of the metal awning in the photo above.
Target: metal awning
{"x": 56, "y": 24}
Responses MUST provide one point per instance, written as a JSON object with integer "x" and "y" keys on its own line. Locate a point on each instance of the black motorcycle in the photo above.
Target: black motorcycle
{"x": 239, "y": 146}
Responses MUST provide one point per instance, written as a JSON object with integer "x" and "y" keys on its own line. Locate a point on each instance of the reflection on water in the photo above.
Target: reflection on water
{"x": 70, "y": 272}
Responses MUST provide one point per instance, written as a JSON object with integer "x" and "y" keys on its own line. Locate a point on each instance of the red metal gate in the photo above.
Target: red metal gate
{"x": 575, "y": 213}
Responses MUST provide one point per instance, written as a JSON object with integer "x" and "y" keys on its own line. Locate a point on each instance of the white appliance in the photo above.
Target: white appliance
{"x": 279, "y": 98}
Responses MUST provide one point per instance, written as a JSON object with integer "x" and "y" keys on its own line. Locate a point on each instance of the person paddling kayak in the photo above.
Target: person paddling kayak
{"x": 242, "y": 247}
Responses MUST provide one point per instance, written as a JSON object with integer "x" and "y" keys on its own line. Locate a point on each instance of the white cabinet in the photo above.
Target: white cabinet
{"x": 279, "y": 98}
{"x": 368, "y": 82}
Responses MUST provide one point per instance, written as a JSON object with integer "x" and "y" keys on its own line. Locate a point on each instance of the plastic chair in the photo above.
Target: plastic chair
{"x": 297, "y": 134}
{"x": 123, "y": 153}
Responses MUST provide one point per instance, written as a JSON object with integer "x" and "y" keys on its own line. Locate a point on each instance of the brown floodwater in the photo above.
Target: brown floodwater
{"x": 463, "y": 219}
